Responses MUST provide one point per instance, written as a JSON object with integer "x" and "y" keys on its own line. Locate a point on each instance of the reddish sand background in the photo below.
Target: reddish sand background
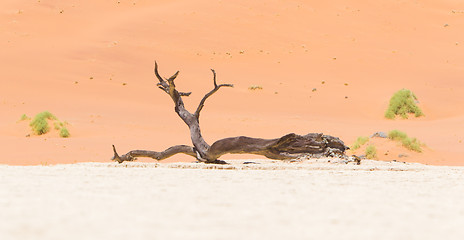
{"x": 73, "y": 57}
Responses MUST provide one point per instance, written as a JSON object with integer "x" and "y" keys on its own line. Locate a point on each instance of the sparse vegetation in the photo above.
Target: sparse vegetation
{"x": 64, "y": 133}
{"x": 402, "y": 103}
{"x": 359, "y": 142}
{"x": 407, "y": 142}
{"x": 24, "y": 117}
{"x": 255, "y": 87}
{"x": 371, "y": 152}
{"x": 397, "y": 135}
{"x": 412, "y": 144}
{"x": 39, "y": 124}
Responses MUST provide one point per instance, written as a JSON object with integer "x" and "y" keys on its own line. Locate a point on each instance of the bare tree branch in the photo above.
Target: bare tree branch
{"x": 165, "y": 84}
{"x": 161, "y": 80}
{"x": 132, "y": 155}
{"x": 171, "y": 79}
{"x": 169, "y": 87}
{"x": 214, "y": 78}
{"x": 203, "y": 100}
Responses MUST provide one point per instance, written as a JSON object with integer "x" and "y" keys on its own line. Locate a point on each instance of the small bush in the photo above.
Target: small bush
{"x": 59, "y": 125}
{"x": 412, "y": 144}
{"x": 397, "y": 135}
{"x": 402, "y": 103}
{"x": 359, "y": 142}
{"x": 64, "y": 133}
{"x": 39, "y": 124}
{"x": 407, "y": 142}
{"x": 24, "y": 117}
{"x": 371, "y": 152}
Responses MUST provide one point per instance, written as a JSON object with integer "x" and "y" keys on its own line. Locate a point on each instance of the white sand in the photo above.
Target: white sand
{"x": 158, "y": 201}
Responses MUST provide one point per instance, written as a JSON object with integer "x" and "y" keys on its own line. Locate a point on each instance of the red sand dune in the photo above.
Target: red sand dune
{"x": 72, "y": 58}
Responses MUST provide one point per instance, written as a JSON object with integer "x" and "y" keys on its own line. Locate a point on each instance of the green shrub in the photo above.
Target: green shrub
{"x": 407, "y": 142}
{"x": 412, "y": 144}
{"x": 359, "y": 142}
{"x": 397, "y": 135}
{"x": 24, "y": 117}
{"x": 59, "y": 125}
{"x": 64, "y": 133}
{"x": 402, "y": 103}
{"x": 371, "y": 152}
{"x": 39, "y": 124}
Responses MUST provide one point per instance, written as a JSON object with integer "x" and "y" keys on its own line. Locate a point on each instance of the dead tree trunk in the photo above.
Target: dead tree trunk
{"x": 289, "y": 146}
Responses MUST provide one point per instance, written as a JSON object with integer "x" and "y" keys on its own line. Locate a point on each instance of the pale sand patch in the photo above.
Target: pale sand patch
{"x": 375, "y": 200}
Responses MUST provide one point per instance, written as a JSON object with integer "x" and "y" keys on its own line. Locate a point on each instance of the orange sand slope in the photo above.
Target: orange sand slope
{"x": 90, "y": 63}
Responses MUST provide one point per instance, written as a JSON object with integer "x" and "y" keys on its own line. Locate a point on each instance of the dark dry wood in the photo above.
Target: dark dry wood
{"x": 132, "y": 155}
{"x": 289, "y": 146}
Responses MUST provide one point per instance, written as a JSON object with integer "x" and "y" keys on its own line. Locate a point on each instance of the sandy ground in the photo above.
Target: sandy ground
{"x": 91, "y": 64}
{"x": 186, "y": 201}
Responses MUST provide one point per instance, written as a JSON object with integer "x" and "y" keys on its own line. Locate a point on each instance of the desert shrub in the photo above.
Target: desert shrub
{"x": 39, "y": 124}
{"x": 64, "y": 132}
{"x": 397, "y": 135}
{"x": 59, "y": 125}
{"x": 407, "y": 142}
{"x": 255, "y": 87}
{"x": 359, "y": 142}
{"x": 412, "y": 144}
{"x": 371, "y": 152}
{"x": 24, "y": 117}
{"x": 402, "y": 103}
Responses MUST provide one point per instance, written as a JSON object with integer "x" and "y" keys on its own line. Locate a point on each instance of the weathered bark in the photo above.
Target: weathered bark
{"x": 132, "y": 155}
{"x": 287, "y": 147}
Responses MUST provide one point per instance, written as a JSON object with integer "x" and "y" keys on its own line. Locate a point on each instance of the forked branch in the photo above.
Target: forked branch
{"x": 167, "y": 85}
{"x": 203, "y": 100}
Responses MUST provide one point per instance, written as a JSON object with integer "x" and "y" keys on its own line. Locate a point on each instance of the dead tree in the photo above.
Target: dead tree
{"x": 289, "y": 146}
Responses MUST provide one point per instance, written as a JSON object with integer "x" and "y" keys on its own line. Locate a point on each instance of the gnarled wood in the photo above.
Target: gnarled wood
{"x": 287, "y": 147}
{"x": 132, "y": 155}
